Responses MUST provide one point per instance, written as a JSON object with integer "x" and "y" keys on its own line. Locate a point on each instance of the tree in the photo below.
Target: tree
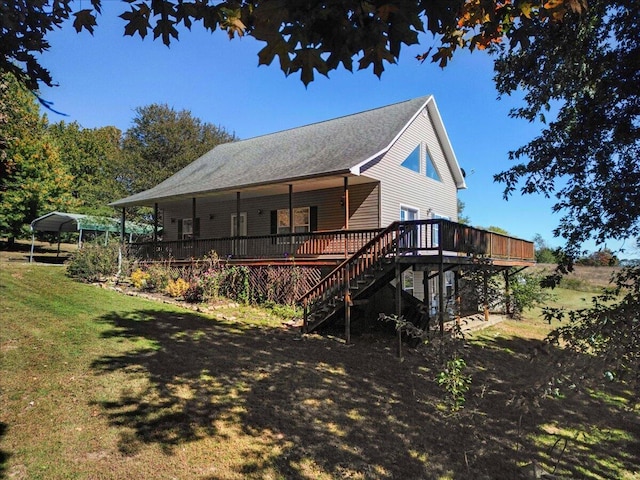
{"x": 94, "y": 158}
{"x": 588, "y": 70}
{"x": 601, "y": 258}
{"x": 161, "y": 142}
{"x": 34, "y": 180}
{"x": 304, "y": 37}
{"x": 494, "y": 229}
{"x": 544, "y": 253}
{"x": 461, "y": 217}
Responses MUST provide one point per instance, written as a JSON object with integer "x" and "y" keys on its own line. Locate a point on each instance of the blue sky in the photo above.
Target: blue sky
{"x": 104, "y": 77}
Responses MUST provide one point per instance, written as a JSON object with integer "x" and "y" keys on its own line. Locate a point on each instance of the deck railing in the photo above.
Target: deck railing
{"x": 426, "y": 237}
{"x": 339, "y": 243}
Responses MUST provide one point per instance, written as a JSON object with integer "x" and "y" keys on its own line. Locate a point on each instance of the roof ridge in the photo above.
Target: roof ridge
{"x": 319, "y": 122}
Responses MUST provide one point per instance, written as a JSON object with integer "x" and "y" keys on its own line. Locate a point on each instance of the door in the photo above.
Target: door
{"x": 239, "y": 246}
{"x": 410, "y": 239}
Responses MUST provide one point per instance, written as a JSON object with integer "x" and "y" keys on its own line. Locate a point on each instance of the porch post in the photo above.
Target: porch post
{"x": 122, "y": 225}
{"x": 193, "y": 227}
{"x": 290, "y": 220}
{"x": 346, "y": 215}
{"x": 236, "y": 241}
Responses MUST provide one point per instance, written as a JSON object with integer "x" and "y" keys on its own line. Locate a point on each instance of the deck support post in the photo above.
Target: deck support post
{"x": 485, "y": 294}
{"x": 507, "y": 292}
{"x": 456, "y": 294}
{"x": 305, "y": 316}
{"x": 426, "y": 299}
{"x": 123, "y": 219}
{"x": 399, "y": 306}
{"x": 347, "y": 316}
{"x": 441, "y": 304}
{"x": 193, "y": 227}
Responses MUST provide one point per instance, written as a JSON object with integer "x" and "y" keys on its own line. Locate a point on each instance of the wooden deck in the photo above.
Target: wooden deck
{"x": 430, "y": 240}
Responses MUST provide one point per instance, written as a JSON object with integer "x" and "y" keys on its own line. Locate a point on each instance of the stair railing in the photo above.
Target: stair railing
{"x": 339, "y": 279}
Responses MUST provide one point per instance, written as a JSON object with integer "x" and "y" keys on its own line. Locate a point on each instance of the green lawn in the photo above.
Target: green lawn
{"x": 99, "y": 385}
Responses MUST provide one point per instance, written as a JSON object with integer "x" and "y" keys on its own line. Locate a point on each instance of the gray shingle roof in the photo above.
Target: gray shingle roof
{"x": 332, "y": 146}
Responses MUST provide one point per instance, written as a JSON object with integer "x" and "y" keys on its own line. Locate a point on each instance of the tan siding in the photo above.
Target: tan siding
{"x": 215, "y": 215}
{"x": 401, "y": 186}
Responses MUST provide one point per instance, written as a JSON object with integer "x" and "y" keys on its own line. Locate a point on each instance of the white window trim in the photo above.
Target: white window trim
{"x": 307, "y": 225}
{"x": 187, "y": 233}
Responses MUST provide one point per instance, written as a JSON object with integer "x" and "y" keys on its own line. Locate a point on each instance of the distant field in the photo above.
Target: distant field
{"x": 595, "y": 276}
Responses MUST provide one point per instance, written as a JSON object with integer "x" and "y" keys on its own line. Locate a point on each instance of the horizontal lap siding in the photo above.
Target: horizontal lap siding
{"x": 401, "y": 186}
{"x": 215, "y": 216}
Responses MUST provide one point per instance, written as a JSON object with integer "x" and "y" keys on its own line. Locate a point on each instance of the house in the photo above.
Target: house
{"x": 375, "y": 185}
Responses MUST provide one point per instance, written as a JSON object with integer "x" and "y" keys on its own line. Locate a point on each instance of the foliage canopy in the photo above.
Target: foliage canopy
{"x": 303, "y": 37}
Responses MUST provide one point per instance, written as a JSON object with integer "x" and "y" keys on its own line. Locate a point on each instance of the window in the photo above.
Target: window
{"x": 432, "y": 171}
{"x": 412, "y": 162}
{"x": 301, "y": 220}
{"x": 187, "y": 229}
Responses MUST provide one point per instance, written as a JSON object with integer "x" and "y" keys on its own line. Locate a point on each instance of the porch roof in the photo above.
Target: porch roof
{"x": 342, "y": 146}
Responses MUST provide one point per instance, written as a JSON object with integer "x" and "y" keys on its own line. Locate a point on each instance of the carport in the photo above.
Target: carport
{"x": 58, "y": 222}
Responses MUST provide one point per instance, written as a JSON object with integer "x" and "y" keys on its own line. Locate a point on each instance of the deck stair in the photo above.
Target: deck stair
{"x": 357, "y": 278}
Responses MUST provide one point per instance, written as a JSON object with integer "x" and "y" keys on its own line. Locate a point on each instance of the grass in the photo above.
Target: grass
{"x": 98, "y": 385}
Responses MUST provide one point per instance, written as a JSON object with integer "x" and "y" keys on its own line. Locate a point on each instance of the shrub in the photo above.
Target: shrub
{"x": 455, "y": 383}
{"x": 139, "y": 279}
{"x": 94, "y": 262}
{"x": 158, "y": 277}
{"x": 177, "y": 288}
{"x": 527, "y": 292}
{"x": 194, "y": 293}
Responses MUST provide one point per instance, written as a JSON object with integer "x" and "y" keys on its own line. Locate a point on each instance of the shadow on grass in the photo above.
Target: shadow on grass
{"x": 4, "y": 456}
{"x": 349, "y": 410}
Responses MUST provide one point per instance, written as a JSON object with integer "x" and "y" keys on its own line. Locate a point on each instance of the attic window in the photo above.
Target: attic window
{"x": 412, "y": 162}
{"x": 432, "y": 171}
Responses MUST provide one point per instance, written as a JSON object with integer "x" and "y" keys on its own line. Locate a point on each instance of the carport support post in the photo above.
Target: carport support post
{"x": 33, "y": 241}
{"x": 123, "y": 229}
